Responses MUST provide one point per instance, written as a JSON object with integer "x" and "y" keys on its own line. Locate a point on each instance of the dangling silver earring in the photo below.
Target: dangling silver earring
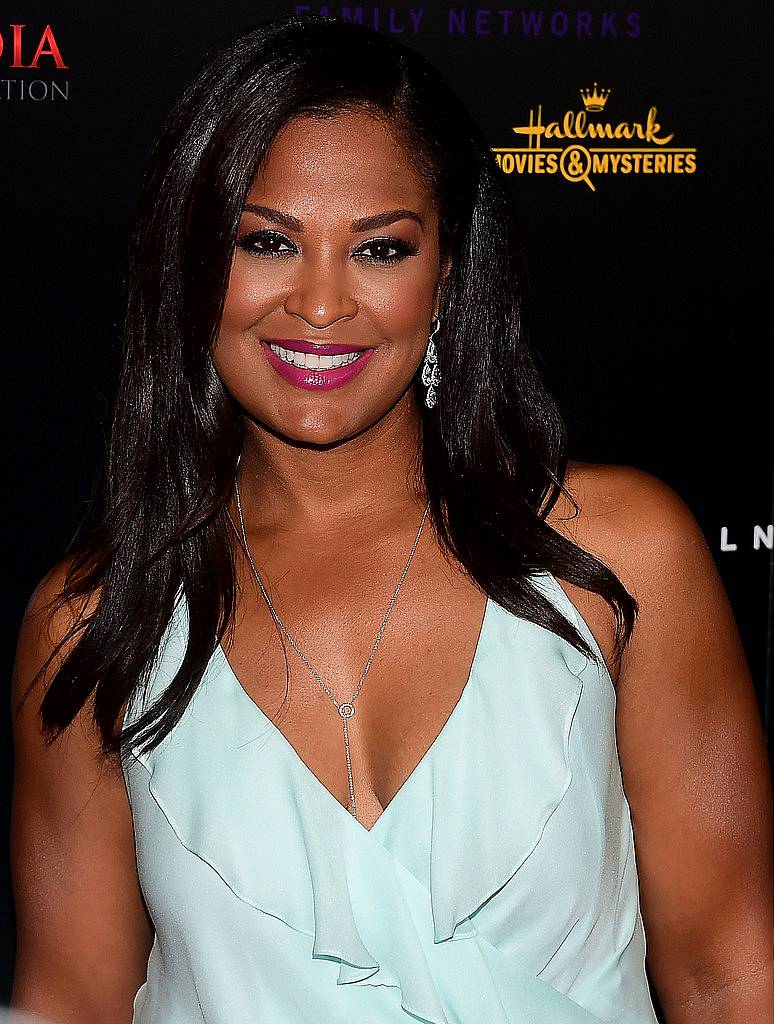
{"x": 431, "y": 375}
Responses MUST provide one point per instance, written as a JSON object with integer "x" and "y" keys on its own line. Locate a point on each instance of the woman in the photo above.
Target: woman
{"x": 370, "y": 769}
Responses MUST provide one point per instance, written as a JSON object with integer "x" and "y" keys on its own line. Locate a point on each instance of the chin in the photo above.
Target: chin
{"x": 313, "y": 432}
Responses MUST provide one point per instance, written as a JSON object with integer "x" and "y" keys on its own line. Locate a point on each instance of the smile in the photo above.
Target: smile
{"x": 312, "y": 371}
{"x": 313, "y": 361}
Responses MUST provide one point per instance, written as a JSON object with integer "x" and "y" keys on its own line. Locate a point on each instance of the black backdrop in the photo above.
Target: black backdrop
{"x": 649, "y": 305}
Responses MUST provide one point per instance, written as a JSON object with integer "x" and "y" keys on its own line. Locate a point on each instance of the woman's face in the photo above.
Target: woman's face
{"x": 309, "y": 271}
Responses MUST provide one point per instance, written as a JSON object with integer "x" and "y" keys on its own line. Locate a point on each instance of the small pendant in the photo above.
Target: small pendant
{"x": 346, "y": 710}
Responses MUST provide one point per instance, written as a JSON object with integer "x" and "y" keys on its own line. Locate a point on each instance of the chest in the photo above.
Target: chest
{"x": 415, "y": 675}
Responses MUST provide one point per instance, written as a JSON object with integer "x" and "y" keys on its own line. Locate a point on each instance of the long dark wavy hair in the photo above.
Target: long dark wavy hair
{"x": 493, "y": 450}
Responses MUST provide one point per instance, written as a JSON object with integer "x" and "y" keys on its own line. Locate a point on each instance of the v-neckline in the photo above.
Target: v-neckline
{"x": 406, "y": 785}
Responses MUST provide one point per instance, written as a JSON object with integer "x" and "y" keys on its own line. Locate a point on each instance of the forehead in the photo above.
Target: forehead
{"x": 342, "y": 162}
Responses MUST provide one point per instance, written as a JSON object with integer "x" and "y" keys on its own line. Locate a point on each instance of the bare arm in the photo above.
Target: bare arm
{"x": 695, "y": 769}
{"x": 84, "y": 935}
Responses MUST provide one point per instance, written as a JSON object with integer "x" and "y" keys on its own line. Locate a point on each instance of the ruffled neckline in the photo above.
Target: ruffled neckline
{"x": 382, "y": 902}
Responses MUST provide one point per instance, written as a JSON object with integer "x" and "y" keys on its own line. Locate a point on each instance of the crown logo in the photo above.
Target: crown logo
{"x": 594, "y": 100}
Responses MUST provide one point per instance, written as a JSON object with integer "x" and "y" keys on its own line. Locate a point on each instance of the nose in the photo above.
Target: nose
{"x": 321, "y": 297}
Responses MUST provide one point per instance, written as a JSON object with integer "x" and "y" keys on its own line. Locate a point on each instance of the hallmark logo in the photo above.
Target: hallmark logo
{"x": 622, "y": 147}
{"x": 593, "y": 100}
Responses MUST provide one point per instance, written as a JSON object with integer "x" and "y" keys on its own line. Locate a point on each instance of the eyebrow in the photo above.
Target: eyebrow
{"x": 379, "y": 220}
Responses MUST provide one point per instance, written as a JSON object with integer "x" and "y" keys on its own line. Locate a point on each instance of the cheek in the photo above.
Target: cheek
{"x": 234, "y": 355}
{"x": 398, "y": 303}
{"x": 249, "y": 297}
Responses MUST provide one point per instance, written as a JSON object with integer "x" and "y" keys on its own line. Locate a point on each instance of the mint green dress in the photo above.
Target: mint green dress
{"x": 499, "y": 886}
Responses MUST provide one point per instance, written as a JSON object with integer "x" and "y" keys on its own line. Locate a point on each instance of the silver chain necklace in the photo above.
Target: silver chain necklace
{"x": 346, "y": 709}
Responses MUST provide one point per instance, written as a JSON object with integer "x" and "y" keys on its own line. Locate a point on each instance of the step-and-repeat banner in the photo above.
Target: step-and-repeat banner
{"x": 635, "y": 140}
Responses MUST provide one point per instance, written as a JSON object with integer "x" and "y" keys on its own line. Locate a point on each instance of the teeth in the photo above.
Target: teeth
{"x": 313, "y": 361}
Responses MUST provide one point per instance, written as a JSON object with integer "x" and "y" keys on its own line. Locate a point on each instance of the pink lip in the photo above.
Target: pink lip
{"x": 317, "y": 380}
{"x": 321, "y": 348}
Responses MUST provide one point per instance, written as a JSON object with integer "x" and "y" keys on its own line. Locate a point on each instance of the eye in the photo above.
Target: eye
{"x": 377, "y": 250}
{"x": 265, "y": 243}
{"x": 380, "y": 250}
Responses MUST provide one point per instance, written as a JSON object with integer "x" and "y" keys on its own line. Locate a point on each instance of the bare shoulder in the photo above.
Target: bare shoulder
{"x": 51, "y": 769}
{"x": 629, "y": 518}
{"x": 633, "y": 522}
{"x": 72, "y": 840}
{"x": 43, "y": 637}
